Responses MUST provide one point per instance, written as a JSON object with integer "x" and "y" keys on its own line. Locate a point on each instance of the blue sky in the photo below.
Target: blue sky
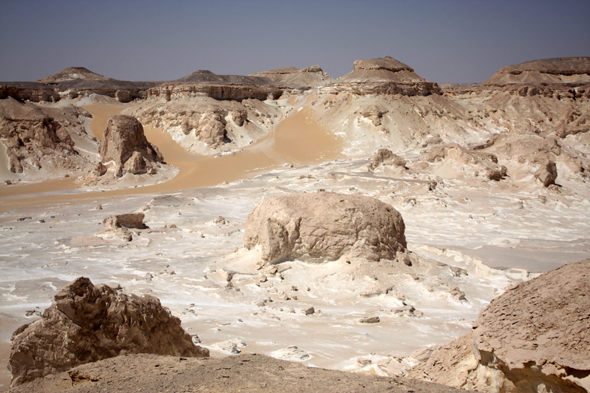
{"x": 459, "y": 41}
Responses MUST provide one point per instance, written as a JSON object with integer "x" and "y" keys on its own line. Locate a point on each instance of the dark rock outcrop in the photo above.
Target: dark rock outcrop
{"x": 87, "y": 323}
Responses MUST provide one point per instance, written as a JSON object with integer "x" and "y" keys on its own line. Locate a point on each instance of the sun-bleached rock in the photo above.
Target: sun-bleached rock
{"x": 125, "y": 145}
{"x": 324, "y": 226}
{"x": 87, "y": 323}
{"x": 459, "y": 158}
{"x": 533, "y": 338}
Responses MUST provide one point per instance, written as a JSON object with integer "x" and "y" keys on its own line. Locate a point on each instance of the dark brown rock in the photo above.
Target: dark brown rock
{"x": 87, "y": 323}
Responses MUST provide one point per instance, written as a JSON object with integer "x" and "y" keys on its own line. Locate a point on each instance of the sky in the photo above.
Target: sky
{"x": 456, "y": 41}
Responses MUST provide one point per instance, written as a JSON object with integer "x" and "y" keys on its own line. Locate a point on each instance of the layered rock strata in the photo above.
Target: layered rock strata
{"x": 87, "y": 323}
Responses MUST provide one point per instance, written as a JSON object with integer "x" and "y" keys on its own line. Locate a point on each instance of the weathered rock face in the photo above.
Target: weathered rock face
{"x": 89, "y": 323}
{"x": 533, "y": 338}
{"x": 205, "y": 126}
{"x": 456, "y": 158}
{"x": 36, "y": 137}
{"x": 74, "y": 73}
{"x": 324, "y": 226}
{"x": 125, "y": 144}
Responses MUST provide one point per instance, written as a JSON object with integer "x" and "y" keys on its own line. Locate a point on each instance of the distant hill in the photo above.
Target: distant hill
{"x": 555, "y": 70}
{"x": 74, "y": 73}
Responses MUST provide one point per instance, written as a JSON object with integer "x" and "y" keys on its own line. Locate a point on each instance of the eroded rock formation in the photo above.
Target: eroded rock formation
{"x": 324, "y": 226}
{"x": 87, "y": 323}
{"x": 125, "y": 145}
{"x": 38, "y": 139}
{"x": 533, "y": 338}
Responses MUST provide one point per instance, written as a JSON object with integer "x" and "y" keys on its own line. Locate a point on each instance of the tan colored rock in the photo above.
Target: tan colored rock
{"x": 36, "y": 137}
{"x": 87, "y": 323}
{"x": 386, "y": 157}
{"x": 125, "y": 140}
{"x": 324, "y": 226}
{"x": 468, "y": 161}
{"x": 547, "y": 173}
{"x": 533, "y": 338}
{"x": 128, "y": 220}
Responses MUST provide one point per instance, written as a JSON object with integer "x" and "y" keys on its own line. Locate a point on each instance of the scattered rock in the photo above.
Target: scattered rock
{"x": 87, "y": 323}
{"x": 547, "y": 173}
{"x": 370, "y": 320}
{"x": 308, "y": 311}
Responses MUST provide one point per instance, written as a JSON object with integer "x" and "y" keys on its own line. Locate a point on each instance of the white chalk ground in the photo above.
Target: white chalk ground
{"x": 479, "y": 236}
{"x": 479, "y": 241}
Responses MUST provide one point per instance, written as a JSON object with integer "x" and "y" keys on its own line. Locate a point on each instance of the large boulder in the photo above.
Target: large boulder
{"x": 533, "y": 338}
{"x": 87, "y": 323}
{"x": 125, "y": 145}
{"x": 324, "y": 226}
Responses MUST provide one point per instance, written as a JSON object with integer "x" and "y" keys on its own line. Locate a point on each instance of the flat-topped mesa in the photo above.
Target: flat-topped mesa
{"x": 555, "y": 70}
{"x": 308, "y": 76}
{"x": 126, "y": 148}
{"x": 384, "y": 76}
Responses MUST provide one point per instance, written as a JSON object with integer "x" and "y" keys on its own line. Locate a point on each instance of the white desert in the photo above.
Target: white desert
{"x": 377, "y": 225}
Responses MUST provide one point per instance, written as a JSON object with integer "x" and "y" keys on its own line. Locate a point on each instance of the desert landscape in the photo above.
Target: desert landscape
{"x": 376, "y": 231}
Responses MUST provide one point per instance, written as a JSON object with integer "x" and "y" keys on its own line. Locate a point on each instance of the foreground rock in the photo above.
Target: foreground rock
{"x": 246, "y": 372}
{"x": 125, "y": 145}
{"x": 88, "y": 323}
{"x": 325, "y": 226}
{"x": 532, "y": 338}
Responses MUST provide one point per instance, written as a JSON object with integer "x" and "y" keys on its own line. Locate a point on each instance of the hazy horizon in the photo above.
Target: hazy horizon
{"x": 444, "y": 41}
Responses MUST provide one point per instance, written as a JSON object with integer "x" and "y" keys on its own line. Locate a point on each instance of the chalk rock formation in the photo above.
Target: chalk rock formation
{"x": 533, "y": 338}
{"x": 386, "y": 157}
{"x": 125, "y": 144}
{"x": 87, "y": 323}
{"x": 556, "y": 70}
{"x": 38, "y": 138}
{"x": 455, "y": 159}
{"x": 324, "y": 226}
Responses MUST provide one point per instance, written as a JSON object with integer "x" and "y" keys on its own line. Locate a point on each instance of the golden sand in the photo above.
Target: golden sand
{"x": 298, "y": 140}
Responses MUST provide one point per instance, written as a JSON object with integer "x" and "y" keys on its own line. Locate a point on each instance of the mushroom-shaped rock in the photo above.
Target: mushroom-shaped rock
{"x": 125, "y": 144}
{"x": 324, "y": 226}
{"x": 87, "y": 323}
